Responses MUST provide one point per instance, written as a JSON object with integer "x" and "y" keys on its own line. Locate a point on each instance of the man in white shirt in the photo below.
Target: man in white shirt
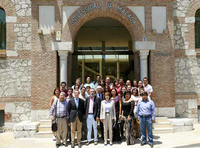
{"x": 147, "y": 87}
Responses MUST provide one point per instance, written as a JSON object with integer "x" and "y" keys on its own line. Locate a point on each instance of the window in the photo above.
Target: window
{"x": 2, "y": 29}
{"x": 197, "y": 29}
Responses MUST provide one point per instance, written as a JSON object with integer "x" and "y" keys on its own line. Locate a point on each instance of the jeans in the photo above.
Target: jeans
{"x": 91, "y": 123}
{"x": 146, "y": 122}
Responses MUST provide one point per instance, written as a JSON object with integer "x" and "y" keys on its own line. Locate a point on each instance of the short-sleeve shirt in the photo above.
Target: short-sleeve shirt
{"x": 148, "y": 88}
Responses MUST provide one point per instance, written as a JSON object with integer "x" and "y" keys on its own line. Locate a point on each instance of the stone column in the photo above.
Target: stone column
{"x": 63, "y": 65}
{"x": 144, "y": 63}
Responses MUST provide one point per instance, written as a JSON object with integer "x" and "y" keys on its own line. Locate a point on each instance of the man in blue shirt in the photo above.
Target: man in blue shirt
{"x": 146, "y": 114}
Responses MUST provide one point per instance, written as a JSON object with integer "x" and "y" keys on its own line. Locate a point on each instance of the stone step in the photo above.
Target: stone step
{"x": 45, "y": 122}
{"x": 162, "y": 125}
{"x": 163, "y": 130}
{"x": 44, "y": 128}
{"x": 47, "y": 134}
{"x": 161, "y": 119}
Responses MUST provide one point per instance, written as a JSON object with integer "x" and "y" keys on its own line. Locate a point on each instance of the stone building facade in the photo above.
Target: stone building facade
{"x": 37, "y": 59}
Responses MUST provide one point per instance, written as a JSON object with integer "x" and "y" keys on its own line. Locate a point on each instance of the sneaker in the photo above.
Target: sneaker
{"x": 96, "y": 142}
{"x": 143, "y": 143}
{"x": 87, "y": 143}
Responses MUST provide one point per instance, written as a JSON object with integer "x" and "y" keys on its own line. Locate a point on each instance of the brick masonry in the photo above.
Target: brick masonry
{"x": 174, "y": 66}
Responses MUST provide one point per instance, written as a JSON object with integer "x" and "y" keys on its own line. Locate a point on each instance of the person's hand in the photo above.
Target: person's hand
{"x": 120, "y": 116}
{"x": 102, "y": 120}
{"x": 53, "y": 119}
{"x": 153, "y": 120}
{"x": 114, "y": 120}
{"x": 97, "y": 119}
{"x": 129, "y": 118}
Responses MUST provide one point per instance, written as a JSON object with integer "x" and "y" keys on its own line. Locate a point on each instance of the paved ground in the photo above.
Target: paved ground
{"x": 175, "y": 140}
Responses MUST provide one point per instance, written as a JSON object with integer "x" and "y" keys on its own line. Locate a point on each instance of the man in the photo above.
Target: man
{"x": 100, "y": 95}
{"x": 92, "y": 106}
{"x": 76, "y": 113}
{"x": 121, "y": 82}
{"x": 108, "y": 82}
{"x": 146, "y": 114}
{"x": 128, "y": 82}
{"x": 61, "y": 115}
{"x": 147, "y": 87}
{"x": 78, "y": 83}
{"x": 97, "y": 82}
{"x": 63, "y": 88}
{"x": 87, "y": 93}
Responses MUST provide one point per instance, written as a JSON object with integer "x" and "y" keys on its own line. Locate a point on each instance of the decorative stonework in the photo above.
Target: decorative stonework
{"x": 15, "y": 78}
{"x": 180, "y": 7}
{"x": 23, "y": 32}
{"x": 187, "y": 75}
{"x": 20, "y": 111}
{"x": 22, "y": 7}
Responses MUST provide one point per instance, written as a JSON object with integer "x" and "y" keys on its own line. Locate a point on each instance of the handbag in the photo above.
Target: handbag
{"x": 54, "y": 126}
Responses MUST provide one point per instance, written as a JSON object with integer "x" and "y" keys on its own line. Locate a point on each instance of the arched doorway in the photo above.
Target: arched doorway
{"x": 103, "y": 46}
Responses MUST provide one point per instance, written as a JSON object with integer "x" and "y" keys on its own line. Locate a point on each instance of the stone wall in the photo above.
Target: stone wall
{"x": 23, "y": 32}
{"x": 22, "y": 7}
{"x": 20, "y": 111}
{"x": 15, "y": 78}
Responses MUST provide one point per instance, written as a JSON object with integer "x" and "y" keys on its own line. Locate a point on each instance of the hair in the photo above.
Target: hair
{"x": 136, "y": 82}
{"x": 135, "y": 88}
{"x": 121, "y": 89}
{"x": 127, "y": 92}
{"x": 107, "y": 87}
{"x": 69, "y": 88}
{"x": 77, "y": 91}
{"x": 88, "y": 86}
{"x": 145, "y": 78}
{"x": 92, "y": 88}
{"x": 144, "y": 93}
{"x": 98, "y": 75}
{"x": 121, "y": 78}
{"x": 78, "y": 79}
{"x": 115, "y": 91}
{"x": 115, "y": 81}
{"x": 107, "y": 94}
{"x": 62, "y": 93}
{"x": 63, "y": 83}
{"x": 86, "y": 78}
{"x": 83, "y": 87}
{"x": 103, "y": 82}
{"x": 54, "y": 92}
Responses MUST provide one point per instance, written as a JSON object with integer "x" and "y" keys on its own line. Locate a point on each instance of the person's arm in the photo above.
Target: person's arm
{"x": 67, "y": 111}
{"x": 150, "y": 92}
{"x": 137, "y": 109}
{"x": 52, "y": 110}
{"x": 120, "y": 105}
{"x": 51, "y": 101}
{"x": 114, "y": 111}
{"x": 69, "y": 106}
{"x": 101, "y": 112}
{"x": 153, "y": 111}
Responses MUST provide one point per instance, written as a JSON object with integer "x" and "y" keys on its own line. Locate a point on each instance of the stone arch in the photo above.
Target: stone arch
{"x": 8, "y": 7}
{"x": 192, "y": 8}
{"x": 134, "y": 26}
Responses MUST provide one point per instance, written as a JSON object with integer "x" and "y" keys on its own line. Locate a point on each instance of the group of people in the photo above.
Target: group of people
{"x": 116, "y": 107}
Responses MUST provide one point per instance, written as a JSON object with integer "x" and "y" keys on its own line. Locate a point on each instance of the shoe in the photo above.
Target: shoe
{"x": 87, "y": 143}
{"x": 151, "y": 145}
{"x": 57, "y": 145}
{"x": 72, "y": 146}
{"x": 96, "y": 142}
{"x": 111, "y": 144}
{"x": 142, "y": 143}
{"x": 65, "y": 144}
{"x": 105, "y": 143}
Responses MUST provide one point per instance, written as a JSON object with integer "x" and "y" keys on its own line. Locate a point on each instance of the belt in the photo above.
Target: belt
{"x": 107, "y": 112}
{"x": 61, "y": 117}
{"x": 90, "y": 113}
{"x": 145, "y": 115}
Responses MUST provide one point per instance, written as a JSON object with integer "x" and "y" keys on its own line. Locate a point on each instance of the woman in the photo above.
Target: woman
{"x": 55, "y": 97}
{"x": 127, "y": 116}
{"x": 107, "y": 115}
{"x": 135, "y": 83}
{"x": 107, "y": 89}
{"x": 88, "y": 83}
{"x": 129, "y": 88}
{"x": 118, "y": 109}
{"x": 82, "y": 94}
{"x": 140, "y": 87}
{"x": 117, "y": 86}
{"x": 123, "y": 90}
{"x": 103, "y": 84}
{"x": 135, "y": 97}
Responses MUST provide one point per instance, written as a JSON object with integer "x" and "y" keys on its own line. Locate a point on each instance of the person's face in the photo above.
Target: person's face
{"x": 135, "y": 83}
{"x": 107, "y": 97}
{"x": 134, "y": 92}
{"x": 108, "y": 80}
{"x": 98, "y": 78}
{"x": 92, "y": 92}
{"x": 121, "y": 81}
{"x": 63, "y": 86}
{"x": 62, "y": 97}
{"x": 113, "y": 92}
{"x": 144, "y": 98}
{"x": 76, "y": 94}
{"x": 99, "y": 90}
{"x": 123, "y": 90}
{"x": 70, "y": 92}
{"x": 83, "y": 90}
{"x": 145, "y": 81}
{"x": 76, "y": 88}
{"x": 127, "y": 96}
{"x": 57, "y": 92}
{"x": 88, "y": 79}
{"x": 78, "y": 82}
{"x": 128, "y": 82}
{"x": 140, "y": 84}
{"x": 116, "y": 83}
{"x": 88, "y": 90}
{"x": 102, "y": 83}
{"x": 129, "y": 88}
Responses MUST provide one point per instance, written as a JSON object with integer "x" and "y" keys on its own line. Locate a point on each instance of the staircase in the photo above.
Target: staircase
{"x": 44, "y": 130}
{"x": 162, "y": 126}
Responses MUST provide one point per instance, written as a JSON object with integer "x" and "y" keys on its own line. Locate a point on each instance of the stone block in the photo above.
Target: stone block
{"x": 192, "y": 103}
{"x": 10, "y": 108}
{"x": 20, "y": 126}
{"x": 32, "y": 126}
